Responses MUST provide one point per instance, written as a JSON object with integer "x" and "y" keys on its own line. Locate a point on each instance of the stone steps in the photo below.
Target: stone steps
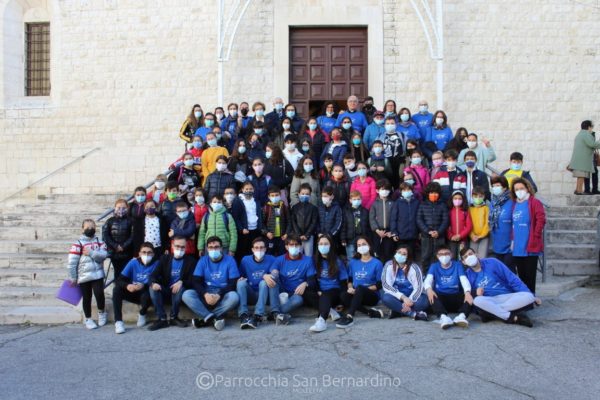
{"x": 571, "y": 251}
{"x": 570, "y": 211}
{"x": 10, "y": 220}
{"x": 38, "y": 261}
{"x": 32, "y": 277}
{"x": 571, "y": 223}
{"x": 28, "y": 247}
{"x": 569, "y": 267}
{"x": 571, "y": 236}
{"x": 26, "y": 233}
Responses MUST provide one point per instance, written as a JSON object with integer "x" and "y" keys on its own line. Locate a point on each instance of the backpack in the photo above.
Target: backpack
{"x": 225, "y": 219}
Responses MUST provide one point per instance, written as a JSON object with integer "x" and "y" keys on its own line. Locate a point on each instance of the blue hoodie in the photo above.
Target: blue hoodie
{"x": 338, "y": 153}
{"x": 254, "y": 271}
{"x": 411, "y": 131}
{"x": 185, "y": 228}
{"x": 424, "y": 123}
{"x": 138, "y": 272}
{"x": 372, "y": 133}
{"x": 359, "y": 120}
{"x": 495, "y": 278}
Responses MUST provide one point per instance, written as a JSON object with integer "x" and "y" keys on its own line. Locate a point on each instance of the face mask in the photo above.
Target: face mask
{"x": 89, "y": 232}
{"x": 329, "y": 113}
{"x": 150, "y": 211}
{"x": 294, "y": 251}
{"x": 521, "y": 194}
{"x": 219, "y": 136}
{"x": 140, "y": 198}
{"x": 278, "y": 106}
{"x": 308, "y": 168}
{"x": 312, "y": 127}
{"x": 451, "y": 164}
{"x": 471, "y": 261}
{"x": 433, "y": 197}
{"x": 160, "y": 185}
{"x": 290, "y": 147}
{"x": 306, "y": 149}
{"x": 244, "y": 111}
{"x": 221, "y": 167}
{"x": 188, "y": 162}
{"x": 217, "y": 206}
{"x": 368, "y": 106}
{"x": 304, "y": 198}
{"x": 268, "y": 154}
{"x": 275, "y": 199}
{"x": 362, "y": 172}
{"x": 389, "y": 113}
{"x": 356, "y": 203}
{"x": 350, "y": 166}
{"x": 416, "y": 160}
{"x": 389, "y": 128}
{"x": 241, "y": 149}
{"x": 437, "y": 163}
{"x": 146, "y": 259}
{"x": 197, "y": 145}
{"x": 209, "y": 123}
{"x": 258, "y": 169}
{"x": 229, "y": 197}
{"x": 384, "y": 193}
{"x": 233, "y": 113}
{"x": 258, "y": 254}
{"x": 326, "y": 200}
{"x": 183, "y": 214}
{"x": 199, "y": 199}
{"x": 445, "y": 260}
{"x": 407, "y": 195}
{"x": 423, "y": 109}
{"x": 259, "y": 131}
{"x": 457, "y": 202}
{"x": 178, "y": 253}
{"x": 470, "y": 164}
{"x": 471, "y": 145}
{"x": 172, "y": 195}
{"x": 439, "y": 121}
{"x": 363, "y": 250}
{"x": 248, "y": 194}
{"x": 290, "y": 114}
{"x": 259, "y": 113}
{"x": 347, "y": 125}
{"x": 336, "y": 136}
{"x": 219, "y": 116}
{"x": 197, "y": 114}
{"x": 400, "y": 258}
{"x": 516, "y": 166}
{"x": 286, "y": 126}
{"x": 324, "y": 249}
{"x": 477, "y": 201}
{"x": 379, "y": 121}
{"x": 497, "y": 190}
{"x": 214, "y": 254}
{"x": 409, "y": 182}
{"x": 212, "y": 142}
{"x": 377, "y": 150}
{"x": 356, "y": 141}
{"x": 404, "y": 117}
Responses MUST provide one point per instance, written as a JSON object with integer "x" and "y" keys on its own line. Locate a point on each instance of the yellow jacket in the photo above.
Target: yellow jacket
{"x": 479, "y": 217}
{"x": 209, "y": 159}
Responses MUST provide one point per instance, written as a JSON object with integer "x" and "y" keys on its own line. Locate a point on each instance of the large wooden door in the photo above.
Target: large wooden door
{"x": 327, "y": 64}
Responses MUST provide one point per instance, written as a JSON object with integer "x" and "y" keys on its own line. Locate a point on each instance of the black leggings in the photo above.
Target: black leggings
{"x": 527, "y": 270}
{"x": 97, "y": 287}
{"x": 363, "y": 296}
{"x": 328, "y": 299}
{"x": 141, "y": 297}
{"x": 445, "y": 303}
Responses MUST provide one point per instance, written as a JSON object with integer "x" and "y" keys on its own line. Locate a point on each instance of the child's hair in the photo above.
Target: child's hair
{"x": 438, "y": 152}
{"x": 377, "y": 142}
{"x": 199, "y": 190}
{"x": 328, "y": 191}
{"x": 405, "y": 186}
{"x": 172, "y": 185}
{"x": 471, "y": 153}
{"x": 499, "y": 179}
{"x": 292, "y": 238}
{"x": 181, "y": 204}
{"x": 327, "y": 157}
{"x": 139, "y": 189}
{"x": 355, "y": 193}
{"x": 88, "y": 221}
{"x": 305, "y": 186}
{"x": 147, "y": 245}
{"x": 417, "y": 151}
{"x": 120, "y": 201}
{"x": 274, "y": 189}
{"x": 348, "y": 156}
{"x": 247, "y": 183}
{"x": 451, "y": 154}
{"x": 216, "y": 197}
{"x": 516, "y": 156}
{"x": 221, "y": 158}
{"x": 432, "y": 187}
{"x": 149, "y": 201}
{"x": 479, "y": 191}
{"x": 383, "y": 184}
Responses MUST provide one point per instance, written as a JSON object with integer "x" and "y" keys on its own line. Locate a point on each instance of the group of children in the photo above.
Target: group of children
{"x": 272, "y": 210}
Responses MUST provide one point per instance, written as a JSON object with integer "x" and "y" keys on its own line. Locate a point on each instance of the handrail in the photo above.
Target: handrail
{"x": 128, "y": 199}
{"x": 81, "y": 157}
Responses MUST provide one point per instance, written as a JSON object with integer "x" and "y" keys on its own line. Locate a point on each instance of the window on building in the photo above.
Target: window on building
{"x": 37, "y": 59}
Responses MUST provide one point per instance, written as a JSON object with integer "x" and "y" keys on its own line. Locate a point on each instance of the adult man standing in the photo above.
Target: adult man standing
{"x": 359, "y": 120}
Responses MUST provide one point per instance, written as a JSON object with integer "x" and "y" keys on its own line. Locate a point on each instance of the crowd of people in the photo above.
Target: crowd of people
{"x": 340, "y": 212}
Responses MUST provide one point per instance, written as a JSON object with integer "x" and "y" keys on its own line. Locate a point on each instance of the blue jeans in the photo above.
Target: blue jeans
{"x": 394, "y": 304}
{"x": 294, "y": 301}
{"x": 195, "y": 303}
{"x": 159, "y": 297}
{"x": 248, "y": 296}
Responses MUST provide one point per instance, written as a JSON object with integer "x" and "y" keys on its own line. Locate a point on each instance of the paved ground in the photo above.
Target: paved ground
{"x": 558, "y": 358}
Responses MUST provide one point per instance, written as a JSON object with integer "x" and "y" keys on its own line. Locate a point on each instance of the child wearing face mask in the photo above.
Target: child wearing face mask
{"x": 136, "y": 213}
{"x": 460, "y": 223}
{"x": 337, "y": 148}
{"x": 403, "y": 218}
{"x": 379, "y": 165}
{"x": 357, "y": 148}
{"x": 275, "y": 222}
{"x": 183, "y": 226}
{"x": 365, "y": 185}
{"x": 220, "y": 179}
{"x": 249, "y": 220}
{"x": 304, "y": 220}
{"x": 186, "y": 175}
{"x": 167, "y": 210}
{"x": 380, "y": 221}
{"x": 350, "y": 166}
{"x": 326, "y": 170}
{"x": 330, "y": 214}
{"x": 449, "y": 177}
{"x": 305, "y": 173}
{"x": 418, "y": 171}
{"x": 210, "y": 155}
{"x": 157, "y": 193}
{"x": 432, "y": 220}
{"x": 152, "y": 231}
{"x": 437, "y": 161}
{"x": 355, "y": 223}
{"x": 218, "y": 222}
{"x": 290, "y": 152}
{"x": 199, "y": 208}
{"x": 479, "y": 213}
{"x": 260, "y": 181}
{"x": 339, "y": 183}
{"x": 117, "y": 233}
{"x": 327, "y": 119}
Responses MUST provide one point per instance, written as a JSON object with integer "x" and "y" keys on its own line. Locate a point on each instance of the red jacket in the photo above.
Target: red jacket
{"x": 460, "y": 223}
{"x": 537, "y": 217}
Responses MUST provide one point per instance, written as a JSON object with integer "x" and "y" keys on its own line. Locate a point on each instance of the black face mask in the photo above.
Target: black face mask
{"x": 89, "y": 232}
{"x": 244, "y": 111}
{"x": 368, "y": 106}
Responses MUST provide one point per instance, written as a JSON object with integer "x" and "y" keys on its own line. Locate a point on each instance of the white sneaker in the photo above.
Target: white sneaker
{"x": 102, "y": 318}
{"x": 90, "y": 324}
{"x": 334, "y": 315}
{"x": 319, "y": 326}
{"x": 219, "y": 324}
{"x": 141, "y": 320}
{"x": 283, "y": 298}
{"x": 119, "y": 327}
{"x": 461, "y": 320}
{"x": 445, "y": 322}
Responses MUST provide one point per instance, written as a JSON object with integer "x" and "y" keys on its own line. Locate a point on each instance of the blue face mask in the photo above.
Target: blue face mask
{"x": 140, "y": 199}
{"x": 346, "y": 126}
{"x": 470, "y": 164}
{"x": 409, "y": 182}
{"x": 379, "y": 121}
{"x": 294, "y": 251}
{"x": 290, "y": 114}
{"x": 188, "y": 163}
{"x": 416, "y": 160}
{"x": 404, "y": 118}
{"x": 406, "y": 194}
{"x": 304, "y": 198}
{"x": 183, "y": 214}
{"x": 209, "y": 123}
{"x": 516, "y": 166}
{"x": 279, "y": 106}
{"x": 306, "y": 149}
{"x": 390, "y": 128}
{"x": 356, "y": 203}
{"x": 258, "y": 131}
{"x": 312, "y": 127}
{"x": 259, "y": 113}
{"x": 275, "y": 199}
{"x": 214, "y": 254}
{"x": 268, "y": 154}
{"x": 362, "y": 172}
{"x": 212, "y": 142}
{"x": 497, "y": 190}
{"x": 308, "y": 168}
{"x": 217, "y": 206}
{"x": 197, "y": 145}
{"x": 356, "y": 141}
{"x": 324, "y": 249}
{"x": 400, "y": 258}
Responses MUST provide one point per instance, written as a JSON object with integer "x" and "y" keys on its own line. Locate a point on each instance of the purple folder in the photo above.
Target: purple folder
{"x": 69, "y": 293}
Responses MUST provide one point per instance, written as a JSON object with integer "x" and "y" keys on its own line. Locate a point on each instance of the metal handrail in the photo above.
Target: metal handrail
{"x": 65, "y": 166}
{"x": 130, "y": 197}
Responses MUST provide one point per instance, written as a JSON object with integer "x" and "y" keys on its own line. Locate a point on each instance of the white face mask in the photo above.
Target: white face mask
{"x": 471, "y": 261}
{"x": 364, "y": 250}
{"x": 258, "y": 254}
{"x": 178, "y": 253}
{"x": 229, "y": 197}
{"x": 423, "y": 109}
{"x": 146, "y": 259}
{"x": 445, "y": 260}
{"x": 384, "y": 193}
{"x": 471, "y": 145}
{"x": 159, "y": 185}
{"x": 221, "y": 167}
{"x": 521, "y": 194}
{"x": 290, "y": 146}
{"x": 451, "y": 164}
{"x": 439, "y": 121}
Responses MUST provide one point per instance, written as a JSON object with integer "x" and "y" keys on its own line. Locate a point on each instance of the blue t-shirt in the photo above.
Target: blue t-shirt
{"x": 423, "y": 122}
{"x": 440, "y": 137}
{"x": 326, "y": 123}
{"x": 216, "y": 274}
{"x": 521, "y": 226}
{"x": 358, "y": 118}
{"x": 293, "y": 272}
{"x": 176, "y": 266}
{"x": 410, "y": 132}
{"x": 495, "y": 278}
{"x": 402, "y": 284}
{"x": 365, "y": 273}
{"x": 254, "y": 271}
{"x": 502, "y": 233}
{"x": 138, "y": 272}
{"x": 326, "y": 282}
{"x": 446, "y": 281}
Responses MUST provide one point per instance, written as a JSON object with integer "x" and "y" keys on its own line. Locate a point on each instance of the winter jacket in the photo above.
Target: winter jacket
{"x": 304, "y": 219}
{"x": 432, "y": 217}
{"x": 281, "y": 175}
{"x": 116, "y": 232}
{"x": 403, "y": 220}
{"x": 341, "y": 190}
{"x": 450, "y": 181}
{"x": 473, "y": 179}
{"x": 537, "y": 222}
{"x": 238, "y": 212}
{"x": 317, "y": 142}
{"x": 162, "y": 272}
{"x": 582, "y": 158}
{"x": 366, "y": 189}
{"x": 199, "y": 211}
{"x": 185, "y": 176}
{"x": 167, "y": 213}
{"x": 86, "y": 268}
{"x": 356, "y": 223}
{"x": 273, "y": 213}
{"x": 137, "y": 215}
{"x": 421, "y": 176}
{"x": 295, "y": 189}
{"x": 337, "y": 151}
{"x": 330, "y": 219}
{"x": 380, "y": 214}
{"x": 217, "y": 182}
{"x": 261, "y": 187}
{"x": 372, "y": 133}
{"x": 480, "y": 219}
{"x": 460, "y": 223}
{"x": 214, "y": 224}
{"x": 380, "y": 161}
{"x": 184, "y": 227}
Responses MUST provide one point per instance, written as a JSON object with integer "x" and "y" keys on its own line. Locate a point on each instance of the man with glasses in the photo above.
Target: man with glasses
{"x": 168, "y": 282}
{"x": 213, "y": 281}
{"x": 358, "y": 118}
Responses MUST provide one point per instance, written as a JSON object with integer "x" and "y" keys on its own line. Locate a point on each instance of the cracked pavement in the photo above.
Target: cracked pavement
{"x": 408, "y": 359}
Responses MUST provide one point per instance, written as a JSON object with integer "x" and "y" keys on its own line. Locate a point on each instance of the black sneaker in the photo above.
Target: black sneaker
{"x": 395, "y": 314}
{"x": 178, "y": 323}
{"x": 345, "y": 322}
{"x": 272, "y": 316}
{"x": 244, "y": 321}
{"x": 198, "y": 323}
{"x": 421, "y": 316}
{"x": 375, "y": 313}
{"x": 252, "y": 322}
{"x": 283, "y": 319}
{"x": 158, "y": 324}
{"x": 523, "y": 320}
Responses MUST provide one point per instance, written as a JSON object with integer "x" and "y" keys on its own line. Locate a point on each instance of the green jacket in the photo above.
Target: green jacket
{"x": 214, "y": 225}
{"x": 583, "y": 152}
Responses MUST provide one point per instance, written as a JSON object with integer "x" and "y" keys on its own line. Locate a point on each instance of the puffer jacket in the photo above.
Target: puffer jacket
{"x": 432, "y": 217}
{"x": 317, "y": 143}
{"x": 86, "y": 268}
{"x": 341, "y": 190}
{"x": 281, "y": 174}
{"x": 117, "y": 231}
{"x": 137, "y": 215}
{"x": 304, "y": 219}
{"x": 404, "y": 218}
{"x": 380, "y": 215}
{"x": 214, "y": 225}
{"x": 184, "y": 227}
{"x": 356, "y": 223}
{"x": 217, "y": 182}
{"x": 330, "y": 219}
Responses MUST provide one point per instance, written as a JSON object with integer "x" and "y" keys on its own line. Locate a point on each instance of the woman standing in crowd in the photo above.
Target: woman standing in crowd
{"x": 305, "y": 173}
{"x": 501, "y": 221}
{"x": 191, "y": 124}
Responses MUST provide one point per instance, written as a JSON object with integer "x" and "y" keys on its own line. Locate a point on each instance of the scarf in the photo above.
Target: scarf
{"x": 497, "y": 203}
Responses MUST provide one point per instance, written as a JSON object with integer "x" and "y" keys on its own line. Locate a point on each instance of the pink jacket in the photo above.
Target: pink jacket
{"x": 366, "y": 189}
